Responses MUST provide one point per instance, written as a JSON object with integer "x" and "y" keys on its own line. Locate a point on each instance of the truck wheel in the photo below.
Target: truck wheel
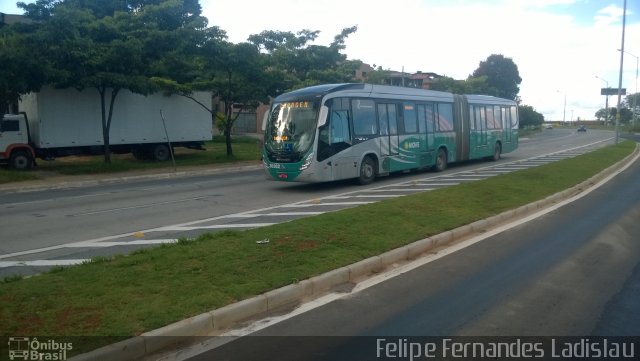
{"x": 160, "y": 152}
{"x": 139, "y": 153}
{"x": 21, "y": 160}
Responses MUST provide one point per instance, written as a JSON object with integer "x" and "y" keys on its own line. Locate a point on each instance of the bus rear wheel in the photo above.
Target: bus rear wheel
{"x": 367, "y": 171}
{"x": 441, "y": 160}
{"x": 497, "y": 153}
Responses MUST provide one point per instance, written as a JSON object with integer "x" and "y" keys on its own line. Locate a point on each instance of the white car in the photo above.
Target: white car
{"x": 548, "y": 126}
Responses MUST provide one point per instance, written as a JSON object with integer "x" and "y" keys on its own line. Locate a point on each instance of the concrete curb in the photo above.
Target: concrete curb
{"x": 217, "y": 321}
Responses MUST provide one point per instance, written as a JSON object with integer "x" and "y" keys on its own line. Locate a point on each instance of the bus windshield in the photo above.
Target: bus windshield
{"x": 290, "y": 130}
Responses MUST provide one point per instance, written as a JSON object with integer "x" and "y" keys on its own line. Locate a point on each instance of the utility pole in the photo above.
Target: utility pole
{"x": 624, "y": 21}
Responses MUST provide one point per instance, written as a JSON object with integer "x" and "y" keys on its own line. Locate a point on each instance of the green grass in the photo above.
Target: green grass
{"x": 529, "y": 132}
{"x": 244, "y": 149}
{"x": 130, "y": 294}
{"x": 10, "y": 175}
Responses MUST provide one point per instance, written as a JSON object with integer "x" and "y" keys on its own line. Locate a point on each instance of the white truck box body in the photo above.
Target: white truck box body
{"x": 71, "y": 118}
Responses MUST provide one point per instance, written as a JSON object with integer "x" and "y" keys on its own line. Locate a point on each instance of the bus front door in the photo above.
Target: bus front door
{"x": 389, "y": 138}
{"x": 344, "y": 161}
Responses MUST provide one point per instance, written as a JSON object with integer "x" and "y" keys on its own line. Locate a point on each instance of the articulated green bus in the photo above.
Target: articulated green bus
{"x": 340, "y": 131}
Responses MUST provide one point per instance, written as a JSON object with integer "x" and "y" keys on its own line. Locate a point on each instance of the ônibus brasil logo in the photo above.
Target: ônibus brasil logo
{"x": 25, "y": 348}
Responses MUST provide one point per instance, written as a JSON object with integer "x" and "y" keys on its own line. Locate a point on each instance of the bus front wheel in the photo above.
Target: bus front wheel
{"x": 441, "y": 160}
{"x": 367, "y": 171}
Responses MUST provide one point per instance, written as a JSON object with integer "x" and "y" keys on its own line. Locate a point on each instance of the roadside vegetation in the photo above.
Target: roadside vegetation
{"x": 10, "y": 175}
{"x": 127, "y": 295}
{"x": 246, "y": 149}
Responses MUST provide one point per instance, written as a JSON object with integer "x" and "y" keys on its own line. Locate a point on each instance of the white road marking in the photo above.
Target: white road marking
{"x": 136, "y": 207}
{"x": 138, "y": 242}
{"x": 251, "y": 214}
{"x": 355, "y": 203}
{"x": 219, "y": 226}
{"x": 289, "y": 214}
{"x": 378, "y": 196}
{"x": 404, "y": 268}
{"x": 43, "y": 263}
{"x": 414, "y": 189}
{"x": 464, "y": 179}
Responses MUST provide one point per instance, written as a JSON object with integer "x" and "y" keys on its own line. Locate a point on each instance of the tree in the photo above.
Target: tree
{"x": 529, "y": 117}
{"x": 307, "y": 64}
{"x": 632, "y": 101}
{"x": 238, "y": 80}
{"x": 625, "y": 114}
{"x": 478, "y": 85}
{"x": 502, "y": 75}
{"x": 601, "y": 114}
{"x": 111, "y": 45}
{"x": 378, "y": 76}
{"x": 236, "y": 75}
{"x": 22, "y": 70}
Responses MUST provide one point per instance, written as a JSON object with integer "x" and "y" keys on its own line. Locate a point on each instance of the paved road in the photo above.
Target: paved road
{"x": 67, "y": 226}
{"x": 572, "y": 272}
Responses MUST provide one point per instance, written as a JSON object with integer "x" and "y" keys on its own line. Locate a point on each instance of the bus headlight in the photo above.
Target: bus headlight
{"x": 307, "y": 161}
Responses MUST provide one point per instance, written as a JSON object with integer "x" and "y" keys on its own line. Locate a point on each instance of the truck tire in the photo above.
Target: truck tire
{"x": 21, "y": 160}
{"x": 139, "y": 153}
{"x": 160, "y": 152}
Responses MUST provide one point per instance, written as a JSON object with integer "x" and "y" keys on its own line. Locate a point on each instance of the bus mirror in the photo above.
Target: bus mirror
{"x": 322, "y": 117}
{"x": 264, "y": 120}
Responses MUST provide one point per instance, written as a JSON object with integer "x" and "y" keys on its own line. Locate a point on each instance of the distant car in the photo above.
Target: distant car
{"x": 582, "y": 128}
{"x": 548, "y": 126}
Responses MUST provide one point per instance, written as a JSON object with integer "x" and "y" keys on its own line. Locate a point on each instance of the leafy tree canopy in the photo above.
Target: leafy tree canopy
{"x": 502, "y": 75}
{"x": 632, "y": 100}
{"x": 529, "y": 116}
{"x": 111, "y": 45}
{"x": 307, "y": 64}
{"x": 478, "y": 85}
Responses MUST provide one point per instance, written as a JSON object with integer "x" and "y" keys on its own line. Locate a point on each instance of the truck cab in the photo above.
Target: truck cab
{"x": 15, "y": 149}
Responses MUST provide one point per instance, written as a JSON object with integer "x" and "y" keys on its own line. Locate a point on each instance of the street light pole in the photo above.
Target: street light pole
{"x": 606, "y": 102}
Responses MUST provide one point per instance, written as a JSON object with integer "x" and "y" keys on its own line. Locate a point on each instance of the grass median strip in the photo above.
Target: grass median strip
{"x": 128, "y": 295}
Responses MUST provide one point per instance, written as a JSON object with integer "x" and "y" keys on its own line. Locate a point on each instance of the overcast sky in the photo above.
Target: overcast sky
{"x": 559, "y": 46}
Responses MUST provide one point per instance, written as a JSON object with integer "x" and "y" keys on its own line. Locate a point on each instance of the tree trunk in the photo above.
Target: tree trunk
{"x": 106, "y": 120}
{"x": 227, "y": 136}
{"x": 227, "y": 129}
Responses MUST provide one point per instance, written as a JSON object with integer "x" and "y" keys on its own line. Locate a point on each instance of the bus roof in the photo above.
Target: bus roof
{"x": 487, "y": 99}
{"x": 365, "y": 90}
{"x": 316, "y": 91}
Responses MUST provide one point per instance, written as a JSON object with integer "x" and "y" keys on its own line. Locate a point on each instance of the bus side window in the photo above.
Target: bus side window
{"x": 334, "y": 136}
{"x": 409, "y": 119}
{"x": 364, "y": 119}
{"x": 340, "y": 127}
{"x": 393, "y": 119}
{"x": 430, "y": 118}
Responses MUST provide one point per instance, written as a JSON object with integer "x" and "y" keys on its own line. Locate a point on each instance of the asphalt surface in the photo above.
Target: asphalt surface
{"x": 572, "y": 272}
{"x": 69, "y": 222}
